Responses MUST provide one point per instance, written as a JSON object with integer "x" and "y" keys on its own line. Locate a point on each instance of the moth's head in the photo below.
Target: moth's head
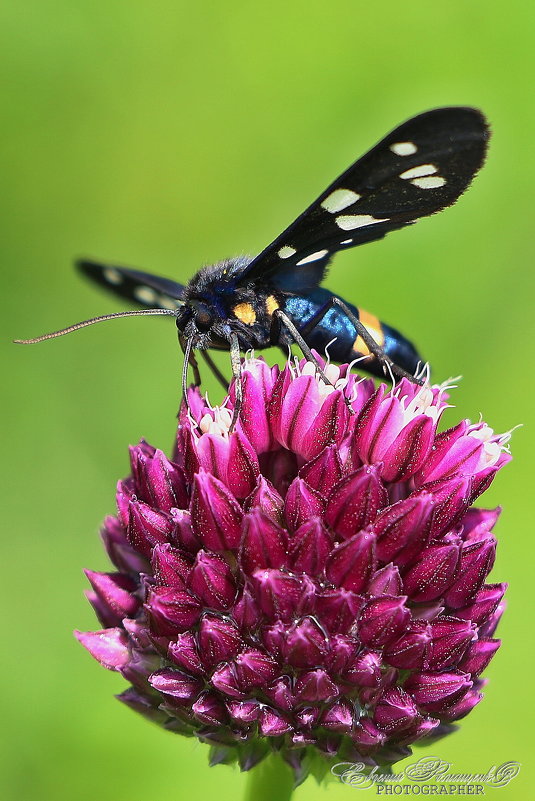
{"x": 203, "y": 316}
{"x": 195, "y": 317}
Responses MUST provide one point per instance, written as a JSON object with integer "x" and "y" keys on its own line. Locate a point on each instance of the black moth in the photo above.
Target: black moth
{"x": 275, "y": 298}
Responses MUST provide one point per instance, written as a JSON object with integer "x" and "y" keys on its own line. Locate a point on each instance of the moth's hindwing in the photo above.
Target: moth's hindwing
{"x": 138, "y": 287}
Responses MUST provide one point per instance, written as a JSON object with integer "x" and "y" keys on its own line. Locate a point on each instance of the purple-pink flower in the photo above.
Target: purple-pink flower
{"x": 313, "y": 581}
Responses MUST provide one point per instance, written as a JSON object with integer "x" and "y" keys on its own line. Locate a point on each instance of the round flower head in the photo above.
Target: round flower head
{"x": 312, "y": 582}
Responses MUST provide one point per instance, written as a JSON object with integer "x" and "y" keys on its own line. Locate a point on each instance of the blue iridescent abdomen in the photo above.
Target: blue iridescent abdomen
{"x": 335, "y": 325}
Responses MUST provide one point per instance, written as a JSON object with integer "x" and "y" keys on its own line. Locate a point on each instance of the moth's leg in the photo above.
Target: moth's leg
{"x": 285, "y": 321}
{"x": 195, "y": 366}
{"x": 235, "y": 362}
{"x": 187, "y": 350}
{"x": 215, "y": 369}
{"x": 316, "y": 318}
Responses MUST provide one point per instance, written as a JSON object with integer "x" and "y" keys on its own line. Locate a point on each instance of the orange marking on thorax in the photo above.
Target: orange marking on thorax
{"x": 245, "y": 313}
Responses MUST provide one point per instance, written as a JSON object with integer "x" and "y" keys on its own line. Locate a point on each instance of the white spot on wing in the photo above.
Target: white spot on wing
{"x": 166, "y": 302}
{"x": 113, "y": 276}
{"x": 339, "y": 200}
{"x": 286, "y": 251}
{"x": 319, "y": 254}
{"x": 429, "y": 182}
{"x": 417, "y": 172}
{"x": 346, "y": 241}
{"x": 145, "y": 294}
{"x": 349, "y": 222}
{"x": 403, "y": 148}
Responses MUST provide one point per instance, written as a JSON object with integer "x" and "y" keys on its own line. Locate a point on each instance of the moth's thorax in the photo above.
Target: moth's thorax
{"x": 219, "y": 305}
{"x": 216, "y": 279}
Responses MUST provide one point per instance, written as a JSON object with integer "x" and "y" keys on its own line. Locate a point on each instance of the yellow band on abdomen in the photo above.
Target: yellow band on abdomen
{"x": 374, "y": 328}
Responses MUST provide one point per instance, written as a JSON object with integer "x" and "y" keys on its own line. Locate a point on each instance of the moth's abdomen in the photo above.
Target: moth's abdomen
{"x": 348, "y": 344}
{"x": 400, "y": 350}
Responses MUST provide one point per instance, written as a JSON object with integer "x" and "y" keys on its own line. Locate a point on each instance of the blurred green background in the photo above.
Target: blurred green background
{"x": 167, "y": 135}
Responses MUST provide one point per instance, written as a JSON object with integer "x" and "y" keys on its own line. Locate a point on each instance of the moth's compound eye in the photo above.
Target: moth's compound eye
{"x": 203, "y": 318}
{"x": 182, "y": 318}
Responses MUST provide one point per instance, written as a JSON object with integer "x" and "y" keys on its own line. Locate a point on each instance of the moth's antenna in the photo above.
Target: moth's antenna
{"x": 85, "y": 323}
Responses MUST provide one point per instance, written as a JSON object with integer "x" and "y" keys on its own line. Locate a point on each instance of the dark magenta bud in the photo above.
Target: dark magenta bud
{"x": 245, "y": 611}
{"x": 184, "y": 653}
{"x": 355, "y": 501}
{"x": 324, "y": 471}
{"x": 283, "y": 595}
{"x": 483, "y": 603}
{"x": 122, "y": 554}
{"x": 410, "y": 650}
{"x": 158, "y": 481}
{"x": 451, "y": 497}
{"x": 255, "y": 668}
{"x": 218, "y": 640}
{"x": 147, "y": 527}
{"x": 399, "y": 524}
{"x": 109, "y": 646}
{"x": 264, "y": 543}
{"x": 274, "y": 638}
{"x": 310, "y": 546}
{"x": 386, "y": 581}
{"x": 432, "y": 573}
{"x": 316, "y": 685}
{"x": 475, "y": 564}
{"x": 212, "y": 581}
{"x": 181, "y": 687}
{"x": 280, "y": 693}
{"x": 395, "y": 711}
{"x": 337, "y": 609}
{"x": 302, "y": 503}
{"x": 115, "y": 592}
{"x": 308, "y": 716}
{"x": 351, "y": 563}
{"x": 340, "y": 717}
{"x": 431, "y": 691}
{"x": 225, "y": 680}
{"x": 170, "y": 566}
{"x": 209, "y": 709}
{"x": 382, "y": 620}
{"x": 182, "y": 534}
{"x": 143, "y": 704}
{"x": 478, "y": 656}
{"x": 366, "y": 734}
{"x": 450, "y": 639}
{"x": 305, "y": 644}
{"x": 216, "y": 517}
{"x": 463, "y": 706}
{"x": 365, "y": 670}
{"x": 420, "y": 728}
{"x": 265, "y": 498}
{"x": 488, "y": 628}
{"x": 172, "y": 611}
{"x": 342, "y": 653}
{"x": 244, "y": 712}
{"x": 273, "y": 723}
{"x": 242, "y": 469}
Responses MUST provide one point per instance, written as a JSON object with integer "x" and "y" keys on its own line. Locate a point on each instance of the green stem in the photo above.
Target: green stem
{"x": 271, "y": 780}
